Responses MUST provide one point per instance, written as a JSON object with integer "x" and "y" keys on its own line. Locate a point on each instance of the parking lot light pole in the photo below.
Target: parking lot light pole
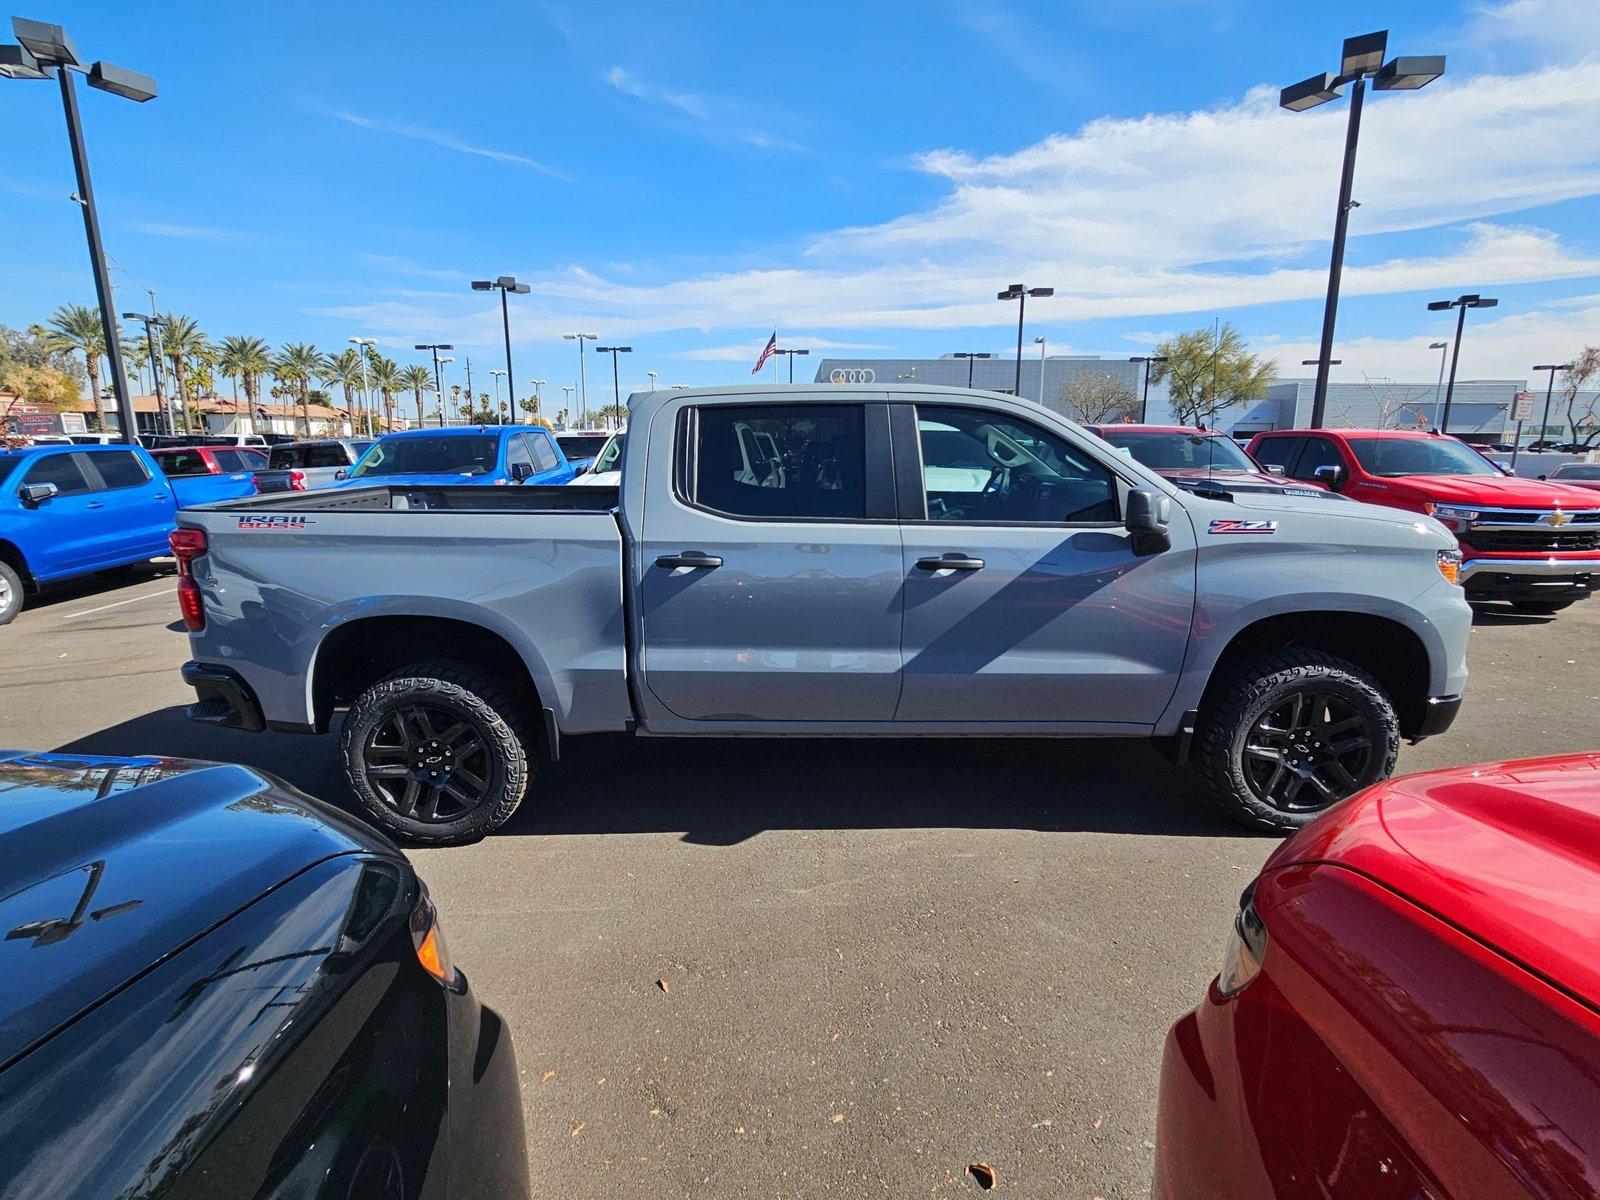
{"x": 440, "y": 385}
{"x": 583, "y": 379}
{"x": 616, "y": 386}
{"x": 1144, "y": 401}
{"x": 40, "y": 49}
{"x": 1438, "y": 387}
{"x": 1020, "y": 293}
{"x": 1461, "y": 304}
{"x": 790, "y": 355}
{"x": 538, "y": 397}
{"x": 1549, "y": 388}
{"x": 364, "y": 349}
{"x": 1362, "y": 59}
{"x": 506, "y": 285}
{"x": 497, "y": 373}
{"x": 970, "y": 355}
{"x": 152, "y": 340}
{"x": 438, "y": 380}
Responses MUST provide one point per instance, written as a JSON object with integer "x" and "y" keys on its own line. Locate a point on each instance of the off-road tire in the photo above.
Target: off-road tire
{"x": 1254, "y": 687}
{"x": 10, "y": 593}
{"x": 1543, "y": 608}
{"x": 475, "y": 695}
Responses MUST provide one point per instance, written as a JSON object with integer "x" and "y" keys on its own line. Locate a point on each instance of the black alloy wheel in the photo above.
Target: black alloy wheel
{"x": 427, "y": 763}
{"x": 1308, "y": 751}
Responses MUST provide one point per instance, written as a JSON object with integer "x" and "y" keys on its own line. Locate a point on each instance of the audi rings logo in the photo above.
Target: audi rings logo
{"x": 853, "y": 375}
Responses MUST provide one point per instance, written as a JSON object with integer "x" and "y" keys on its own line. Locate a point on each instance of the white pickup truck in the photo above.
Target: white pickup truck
{"x": 902, "y": 561}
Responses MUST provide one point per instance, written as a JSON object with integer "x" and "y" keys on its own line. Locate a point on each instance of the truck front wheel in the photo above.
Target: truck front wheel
{"x": 10, "y": 593}
{"x": 438, "y": 752}
{"x": 1287, "y": 734}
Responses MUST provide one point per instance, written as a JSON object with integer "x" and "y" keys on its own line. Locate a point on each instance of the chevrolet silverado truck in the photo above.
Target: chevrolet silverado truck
{"x": 1532, "y": 542}
{"x": 908, "y": 561}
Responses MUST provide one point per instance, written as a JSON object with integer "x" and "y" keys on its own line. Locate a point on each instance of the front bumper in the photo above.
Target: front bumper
{"x": 1488, "y": 578}
{"x": 222, "y": 697}
{"x": 1437, "y": 716}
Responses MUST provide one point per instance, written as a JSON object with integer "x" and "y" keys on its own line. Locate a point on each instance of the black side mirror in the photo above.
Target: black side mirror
{"x": 520, "y": 471}
{"x": 1334, "y": 477}
{"x": 1544, "y": 477}
{"x": 342, "y": 473}
{"x": 1147, "y": 518}
{"x": 35, "y": 494}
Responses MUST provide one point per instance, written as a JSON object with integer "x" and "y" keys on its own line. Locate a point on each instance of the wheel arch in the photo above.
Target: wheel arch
{"x": 11, "y": 554}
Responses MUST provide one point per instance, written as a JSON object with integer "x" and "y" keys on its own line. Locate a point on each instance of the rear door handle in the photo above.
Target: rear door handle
{"x": 694, "y": 559}
{"x": 950, "y": 562}
{"x": 94, "y": 504}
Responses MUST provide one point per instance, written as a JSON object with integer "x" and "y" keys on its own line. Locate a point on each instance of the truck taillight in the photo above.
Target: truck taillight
{"x": 297, "y": 481}
{"x": 188, "y": 545}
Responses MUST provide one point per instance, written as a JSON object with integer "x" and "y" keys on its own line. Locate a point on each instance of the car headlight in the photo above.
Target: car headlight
{"x": 1450, "y": 565}
{"x": 1246, "y": 948}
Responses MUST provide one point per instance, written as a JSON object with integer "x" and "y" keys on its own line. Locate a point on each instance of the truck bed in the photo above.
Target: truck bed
{"x": 529, "y": 498}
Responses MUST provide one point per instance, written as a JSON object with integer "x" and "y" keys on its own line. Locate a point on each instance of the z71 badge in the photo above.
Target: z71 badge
{"x": 1228, "y": 526}
{"x": 281, "y": 522}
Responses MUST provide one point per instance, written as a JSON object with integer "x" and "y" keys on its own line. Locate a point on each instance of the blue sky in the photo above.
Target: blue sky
{"x": 686, "y": 177}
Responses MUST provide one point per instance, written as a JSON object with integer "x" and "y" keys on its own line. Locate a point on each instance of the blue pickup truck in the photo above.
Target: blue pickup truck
{"x": 482, "y": 455}
{"x": 69, "y": 510}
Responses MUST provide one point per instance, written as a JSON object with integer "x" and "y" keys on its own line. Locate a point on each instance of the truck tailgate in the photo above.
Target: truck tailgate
{"x": 277, "y": 578}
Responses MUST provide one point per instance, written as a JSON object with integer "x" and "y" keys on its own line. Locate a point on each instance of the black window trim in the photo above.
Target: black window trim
{"x": 910, "y": 478}
{"x": 878, "y": 493}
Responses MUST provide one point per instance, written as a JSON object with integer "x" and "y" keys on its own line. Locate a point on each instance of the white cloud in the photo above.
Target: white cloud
{"x": 630, "y": 85}
{"x": 709, "y": 117}
{"x": 747, "y": 351}
{"x": 192, "y": 233}
{"x": 448, "y": 141}
{"x": 406, "y": 266}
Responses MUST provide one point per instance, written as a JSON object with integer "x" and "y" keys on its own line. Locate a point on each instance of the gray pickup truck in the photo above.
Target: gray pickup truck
{"x": 826, "y": 561}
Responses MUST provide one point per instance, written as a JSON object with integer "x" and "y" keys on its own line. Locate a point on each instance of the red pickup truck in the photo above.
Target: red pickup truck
{"x": 1533, "y": 542}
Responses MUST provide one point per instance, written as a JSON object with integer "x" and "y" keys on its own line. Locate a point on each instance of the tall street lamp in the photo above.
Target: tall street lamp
{"x": 566, "y": 401}
{"x": 652, "y": 375}
{"x": 790, "y": 355}
{"x": 1147, "y": 360}
{"x": 1362, "y": 59}
{"x": 1438, "y": 387}
{"x": 364, "y": 349}
{"x": 1020, "y": 293}
{"x": 583, "y": 379}
{"x": 1461, "y": 303}
{"x": 1549, "y": 387}
{"x": 538, "y": 396}
{"x": 438, "y": 380}
{"x": 970, "y": 355}
{"x": 616, "y": 386}
{"x": 497, "y": 373}
{"x": 506, "y": 285}
{"x": 41, "y": 49}
{"x": 442, "y": 362}
{"x": 152, "y": 340}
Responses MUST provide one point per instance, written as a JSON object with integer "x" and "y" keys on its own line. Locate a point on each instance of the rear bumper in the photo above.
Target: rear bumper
{"x": 1488, "y": 578}
{"x": 222, "y": 697}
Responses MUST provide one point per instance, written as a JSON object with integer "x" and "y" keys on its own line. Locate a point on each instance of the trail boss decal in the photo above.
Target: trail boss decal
{"x": 281, "y": 522}
{"x": 1227, "y": 526}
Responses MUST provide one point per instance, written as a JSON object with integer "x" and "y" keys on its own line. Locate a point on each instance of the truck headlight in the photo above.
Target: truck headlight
{"x": 1453, "y": 515}
{"x": 1246, "y": 948}
{"x": 1450, "y": 565}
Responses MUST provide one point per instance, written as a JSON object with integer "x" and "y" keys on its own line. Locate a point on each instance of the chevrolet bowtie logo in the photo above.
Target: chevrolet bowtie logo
{"x": 1559, "y": 518}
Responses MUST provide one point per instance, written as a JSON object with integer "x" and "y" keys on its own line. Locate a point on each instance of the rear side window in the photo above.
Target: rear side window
{"x": 179, "y": 463}
{"x": 233, "y": 460}
{"x": 326, "y": 454}
{"x": 284, "y": 457}
{"x": 61, "y": 470}
{"x": 120, "y": 468}
{"x": 1277, "y": 451}
{"x": 544, "y": 454}
{"x": 781, "y": 461}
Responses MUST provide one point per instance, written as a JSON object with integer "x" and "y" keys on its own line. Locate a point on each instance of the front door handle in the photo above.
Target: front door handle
{"x": 94, "y": 504}
{"x": 694, "y": 559}
{"x": 950, "y": 562}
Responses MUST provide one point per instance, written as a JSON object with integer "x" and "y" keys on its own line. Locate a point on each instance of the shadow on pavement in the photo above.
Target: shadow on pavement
{"x": 1492, "y": 617}
{"x": 723, "y": 791}
{"x": 102, "y": 583}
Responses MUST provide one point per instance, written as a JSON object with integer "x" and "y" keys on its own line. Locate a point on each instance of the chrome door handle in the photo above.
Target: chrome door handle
{"x": 694, "y": 559}
{"x": 950, "y": 561}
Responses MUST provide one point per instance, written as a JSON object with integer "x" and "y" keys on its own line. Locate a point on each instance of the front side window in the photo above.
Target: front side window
{"x": 987, "y": 468}
{"x": 1319, "y": 452}
{"x": 1577, "y": 471}
{"x": 61, "y": 470}
{"x": 611, "y": 457}
{"x": 444, "y": 454}
{"x": 1277, "y": 451}
{"x": 233, "y": 460}
{"x": 781, "y": 461}
{"x": 1394, "y": 456}
{"x": 544, "y": 454}
{"x": 517, "y": 452}
{"x": 120, "y": 468}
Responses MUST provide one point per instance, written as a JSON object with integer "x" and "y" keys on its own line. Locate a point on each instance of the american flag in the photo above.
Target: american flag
{"x": 766, "y": 353}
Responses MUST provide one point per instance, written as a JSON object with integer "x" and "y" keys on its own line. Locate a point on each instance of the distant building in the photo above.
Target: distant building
{"x": 990, "y": 374}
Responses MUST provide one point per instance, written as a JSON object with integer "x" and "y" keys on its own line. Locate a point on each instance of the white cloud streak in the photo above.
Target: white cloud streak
{"x": 420, "y": 133}
{"x": 715, "y": 119}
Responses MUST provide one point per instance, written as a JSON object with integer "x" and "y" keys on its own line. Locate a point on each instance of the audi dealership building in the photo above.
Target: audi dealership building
{"x": 1479, "y": 410}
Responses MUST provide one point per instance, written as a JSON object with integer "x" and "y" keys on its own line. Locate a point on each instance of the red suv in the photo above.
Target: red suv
{"x": 1533, "y": 542}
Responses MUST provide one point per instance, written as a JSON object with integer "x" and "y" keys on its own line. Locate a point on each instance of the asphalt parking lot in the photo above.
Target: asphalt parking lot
{"x": 789, "y": 969}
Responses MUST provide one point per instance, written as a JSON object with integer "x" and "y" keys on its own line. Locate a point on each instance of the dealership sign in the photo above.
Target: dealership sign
{"x": 853, "y": 375}
{"x": 1522, "y": 407}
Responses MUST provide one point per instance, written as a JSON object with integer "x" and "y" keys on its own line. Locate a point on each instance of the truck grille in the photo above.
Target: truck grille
{"x": 1543, "y": 539}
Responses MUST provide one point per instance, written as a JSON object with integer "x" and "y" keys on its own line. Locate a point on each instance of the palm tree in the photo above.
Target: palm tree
{"x": 385, "y": 376}
{"x": 181, "y": 341}
{"x": 77, "y": 327}
{"x": 244, "y": 358}
{"x": 295, "y": 366}
{"x": 344, "y": 369}
{"x": 419, "y": 379}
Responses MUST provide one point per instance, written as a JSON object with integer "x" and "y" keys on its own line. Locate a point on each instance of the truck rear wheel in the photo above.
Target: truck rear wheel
{"x": 438, "y": 752}
{"x": 10, "y": 593}
{"x": 1287, "y": 734}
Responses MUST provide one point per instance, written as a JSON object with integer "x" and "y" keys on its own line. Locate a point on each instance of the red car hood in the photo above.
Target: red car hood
{"x": 1501, "y": 490}
{"x": 1508, "y": 852}
{"x": 1255, "y": 480}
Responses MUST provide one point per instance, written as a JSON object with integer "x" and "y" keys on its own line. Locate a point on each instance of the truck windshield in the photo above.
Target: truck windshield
{"x": 611, "y": 457}
{"x": 1570, "y": 471}
{"x": 1182, "y": 451}
{"x": 1391, "y": 457}
{"x": 580, "y": 445}
{"x": 441, "y": 455}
